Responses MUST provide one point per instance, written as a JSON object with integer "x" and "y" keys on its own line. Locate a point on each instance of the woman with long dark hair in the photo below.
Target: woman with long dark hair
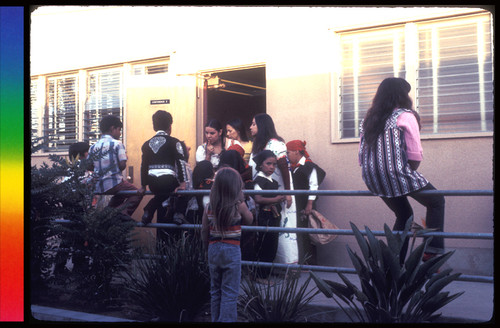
{"x": 214, "y": 145}
{"x": 236, "y": 134}
{"x": 390, "y": 153}
{"x": 266, "y": 137}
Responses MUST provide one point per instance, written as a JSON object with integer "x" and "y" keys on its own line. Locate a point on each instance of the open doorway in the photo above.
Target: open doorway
{"x": 236, "y": 93}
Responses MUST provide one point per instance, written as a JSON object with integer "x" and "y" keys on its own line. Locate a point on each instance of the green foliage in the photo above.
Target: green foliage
{"x": 173, "y": 285}
{"x": 394, "y": 288}
{"x": 105, "y": 250}
{"x": 46, "y": 203}
{"x": 97, "y": 241}
{"x": 284, "y": 302}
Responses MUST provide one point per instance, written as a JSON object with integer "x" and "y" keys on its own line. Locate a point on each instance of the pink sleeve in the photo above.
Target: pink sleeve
{"x": 408, "y": 122}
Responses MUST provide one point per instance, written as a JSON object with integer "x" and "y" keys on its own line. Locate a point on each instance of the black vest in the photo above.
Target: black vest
{"x": 301, "y": 181}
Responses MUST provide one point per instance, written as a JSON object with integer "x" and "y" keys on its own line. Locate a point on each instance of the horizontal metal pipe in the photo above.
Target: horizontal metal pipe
{"x": 451, "y": 235}
{"x": 486, "y": 192}
{"x": 472, "y": 278}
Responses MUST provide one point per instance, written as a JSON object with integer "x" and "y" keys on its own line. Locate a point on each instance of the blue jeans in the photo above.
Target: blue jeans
{"x": 224, "y": 263}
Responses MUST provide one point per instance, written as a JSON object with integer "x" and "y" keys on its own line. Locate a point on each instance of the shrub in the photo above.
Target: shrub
{"x": 47, "y": 197}
{"x": 105, "y": 251}
{"x": 284, "y": 302}
{"x": 98, "y": 241}
{"x": 174, "y": 284}
{"x": 393, "y": 288}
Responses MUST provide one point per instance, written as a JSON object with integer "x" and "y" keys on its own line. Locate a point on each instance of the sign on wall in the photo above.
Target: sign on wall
{"x": 159, "y": 102}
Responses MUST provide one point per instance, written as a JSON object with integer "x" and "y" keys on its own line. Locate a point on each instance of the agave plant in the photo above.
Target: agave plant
{"x": 283, "y": 302}
{"x": 174, "y": 285}
{"x": 394, "y": 288}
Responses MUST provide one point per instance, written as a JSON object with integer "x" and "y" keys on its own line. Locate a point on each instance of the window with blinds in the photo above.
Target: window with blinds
{"x": 104, "y": 97}
{"x": 367, "y": 58}
{"x": 61, "y": 116}
{"x": 35, "y": 119}
{"x": 451, "y": 73}
{"x": 150, "y": 69}
{"x": 455, "y": 76}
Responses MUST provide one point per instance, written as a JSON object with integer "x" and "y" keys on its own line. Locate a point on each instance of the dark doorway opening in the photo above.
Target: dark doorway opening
{"x": 238, "y": 93}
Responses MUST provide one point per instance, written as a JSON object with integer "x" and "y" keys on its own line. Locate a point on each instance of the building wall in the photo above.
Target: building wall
{"x": 298, "y": 60}
{"x": 300, "y": 107}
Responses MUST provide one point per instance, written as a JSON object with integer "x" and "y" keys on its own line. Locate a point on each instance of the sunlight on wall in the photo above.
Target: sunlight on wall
{"x": 71, "y": 37}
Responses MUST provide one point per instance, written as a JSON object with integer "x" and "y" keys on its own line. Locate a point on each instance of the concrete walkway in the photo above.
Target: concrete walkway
{"x": 474, "y": 306}
{"x": 44, "y": 313}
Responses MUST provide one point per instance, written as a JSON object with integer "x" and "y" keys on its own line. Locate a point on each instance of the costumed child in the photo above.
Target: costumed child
{"x": 221, "y": 233}
{"x": 269, "y": 213}
{"x": 306, "y": 175}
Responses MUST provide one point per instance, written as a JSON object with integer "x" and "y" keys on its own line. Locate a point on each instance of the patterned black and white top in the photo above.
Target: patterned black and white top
{"x": 385, "y": 168}
{"x": 162, "y": 155}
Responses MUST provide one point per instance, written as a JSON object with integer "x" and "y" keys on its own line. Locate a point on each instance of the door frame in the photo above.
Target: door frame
{"x": 201, "y": 93}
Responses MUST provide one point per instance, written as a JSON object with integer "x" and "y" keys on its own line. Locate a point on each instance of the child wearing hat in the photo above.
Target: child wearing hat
{"x": 306, "y": 175}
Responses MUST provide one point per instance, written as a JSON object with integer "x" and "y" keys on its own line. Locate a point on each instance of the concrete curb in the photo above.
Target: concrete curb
{"x": 44, "y": 313}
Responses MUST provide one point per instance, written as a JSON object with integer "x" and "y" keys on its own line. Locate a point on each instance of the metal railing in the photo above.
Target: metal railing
{"x": 451, "y": 235}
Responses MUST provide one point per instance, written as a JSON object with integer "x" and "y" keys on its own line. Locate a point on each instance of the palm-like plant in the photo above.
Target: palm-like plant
{"x": 394, "y": 288}
{"x": 173, "y": 285}
{"x": 284, "y": 302}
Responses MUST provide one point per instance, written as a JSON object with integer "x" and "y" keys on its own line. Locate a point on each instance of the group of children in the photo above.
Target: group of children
{"x": 165, "y": 169}
{"x": 226, "y": 211}
{"x": 389, "y": 131}
{"x": 390, "y": 125}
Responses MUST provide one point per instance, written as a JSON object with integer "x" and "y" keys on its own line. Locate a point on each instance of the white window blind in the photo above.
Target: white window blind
{"x": 104, "y": 97}
{"x": 150, "y": 69}
{"x": 35, "y": 119}
{"x": 366, "y": 59}
{"x": 61, "y": 116}
{"x": 452, "y": 73}
{"x": 455, "y": 76}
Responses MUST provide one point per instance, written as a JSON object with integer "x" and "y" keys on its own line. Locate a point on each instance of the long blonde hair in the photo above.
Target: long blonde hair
{"x": 225, "y": 197}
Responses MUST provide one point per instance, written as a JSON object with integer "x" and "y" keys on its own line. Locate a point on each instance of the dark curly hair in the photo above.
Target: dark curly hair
{"x": 162, "y": 120}
{"x": 108, "y": 121}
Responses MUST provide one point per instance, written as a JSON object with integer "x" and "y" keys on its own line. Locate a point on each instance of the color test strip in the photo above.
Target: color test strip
{"x": 11, "y": 164}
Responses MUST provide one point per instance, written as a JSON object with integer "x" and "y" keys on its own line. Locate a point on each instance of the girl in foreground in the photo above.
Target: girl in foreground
{"x": 221, "y": 233}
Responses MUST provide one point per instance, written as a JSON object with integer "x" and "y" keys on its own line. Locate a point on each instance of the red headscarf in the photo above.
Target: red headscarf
{"x": 295, "y": 145}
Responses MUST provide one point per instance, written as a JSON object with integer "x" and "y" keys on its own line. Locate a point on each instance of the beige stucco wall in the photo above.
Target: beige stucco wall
{"x": 301, "y": 109}
{"x": 298, "y": 59}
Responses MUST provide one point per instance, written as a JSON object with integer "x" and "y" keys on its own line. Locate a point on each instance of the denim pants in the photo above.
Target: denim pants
{"x": 224, "y": 263}
{"x": 434, "y": 217}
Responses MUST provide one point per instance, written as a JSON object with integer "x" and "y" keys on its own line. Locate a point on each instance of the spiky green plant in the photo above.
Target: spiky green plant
{"x": 284, "y": 302}
{"x": 394, "y": 288}
{"x": 174, "y": 284}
